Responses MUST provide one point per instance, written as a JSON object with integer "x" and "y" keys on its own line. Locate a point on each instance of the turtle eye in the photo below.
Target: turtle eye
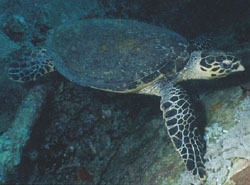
{"x": 226, "y": 64}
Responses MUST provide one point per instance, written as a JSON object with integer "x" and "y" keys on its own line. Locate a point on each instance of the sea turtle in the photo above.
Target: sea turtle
{"x": 127, "y": 56}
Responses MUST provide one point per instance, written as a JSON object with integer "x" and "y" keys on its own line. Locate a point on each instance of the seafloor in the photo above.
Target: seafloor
{"x": 53, "y": 131}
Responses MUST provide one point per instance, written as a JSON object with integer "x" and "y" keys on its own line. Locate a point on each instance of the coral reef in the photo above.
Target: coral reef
{"x": 87, "y": 137}
{"x": 227, "y": 149}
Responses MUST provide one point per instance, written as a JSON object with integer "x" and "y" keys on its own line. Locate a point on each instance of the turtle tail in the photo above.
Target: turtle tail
{"x": 28, "y": 64}
{"x": 180, "y": 122}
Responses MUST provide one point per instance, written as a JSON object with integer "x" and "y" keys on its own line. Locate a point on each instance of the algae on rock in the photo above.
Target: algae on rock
{"x": 13, "y": 140}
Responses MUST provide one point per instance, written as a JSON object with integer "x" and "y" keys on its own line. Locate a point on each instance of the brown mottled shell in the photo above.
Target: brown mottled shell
{"x": 116, "y": 55}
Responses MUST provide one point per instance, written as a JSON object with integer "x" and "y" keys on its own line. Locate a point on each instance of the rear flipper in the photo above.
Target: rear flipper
{"x": 28, "y": 64}
{"x": 180, "y": 122}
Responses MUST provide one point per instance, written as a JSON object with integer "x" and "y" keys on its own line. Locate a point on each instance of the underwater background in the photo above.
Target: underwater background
{"x": 53, "y": 131}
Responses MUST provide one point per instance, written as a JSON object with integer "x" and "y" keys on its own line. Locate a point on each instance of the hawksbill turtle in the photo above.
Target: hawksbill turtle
{"x": 127, "y": 56}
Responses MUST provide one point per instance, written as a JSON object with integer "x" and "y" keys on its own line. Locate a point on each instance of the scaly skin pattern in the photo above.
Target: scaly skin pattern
{"x": 181, "y": 124}
{"x": 29, "y": 64}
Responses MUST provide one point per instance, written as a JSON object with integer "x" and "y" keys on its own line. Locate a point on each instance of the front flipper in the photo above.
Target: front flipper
{"x": 202, "y": 42}
{"x": 180, "y": 122}
{"x": 28, "y": 64}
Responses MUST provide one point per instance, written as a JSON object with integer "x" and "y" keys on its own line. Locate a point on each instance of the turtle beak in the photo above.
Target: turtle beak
{"x": 241, "y": 68}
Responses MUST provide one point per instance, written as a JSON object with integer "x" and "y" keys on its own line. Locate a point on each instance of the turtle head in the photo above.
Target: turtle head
{"x": 209, "y": 65}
